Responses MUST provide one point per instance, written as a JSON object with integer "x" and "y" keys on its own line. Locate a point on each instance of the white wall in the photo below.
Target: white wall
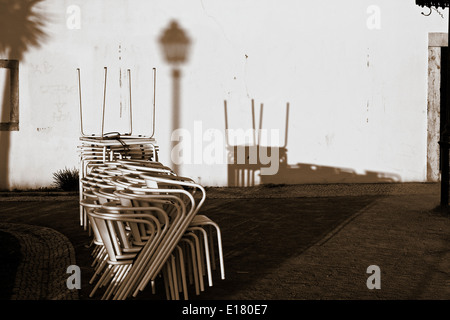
{"x": 357, "y": 96}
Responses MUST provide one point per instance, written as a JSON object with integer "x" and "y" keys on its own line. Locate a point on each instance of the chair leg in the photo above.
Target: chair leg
{"x": 194, "y": 264}
{"x": 219, "y": 245}
{"x": 199, "y": 260}
{"x": 206, "y": 255}
{"x": 174, "y": 278}
{"x": 115, "y": 275}
{"x": 190, "y": 272}
{"x": 211, "y": 246}
{"x": 212, "y": 224}
{"x": 166, "y": 282}
{"x": 183, "y": 272}
{"x": 100, "y": 281}
{"x": 99, "y": 269}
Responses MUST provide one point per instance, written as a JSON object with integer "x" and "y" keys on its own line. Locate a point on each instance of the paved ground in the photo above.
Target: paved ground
{"x": 33, "y": 261}
{"x": 280, "y": 242}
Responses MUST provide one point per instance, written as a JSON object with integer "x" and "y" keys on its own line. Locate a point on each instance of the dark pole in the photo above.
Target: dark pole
{"x": 444, "y": 143}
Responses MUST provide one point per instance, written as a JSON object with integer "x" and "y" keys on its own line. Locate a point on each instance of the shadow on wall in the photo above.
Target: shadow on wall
{"x": 249, "y": 173}
{"x": 175, "y": 45}
{"x": 21, "y": 27}
{"x": 250, "y": 165}
{"x": 309, "y": 173}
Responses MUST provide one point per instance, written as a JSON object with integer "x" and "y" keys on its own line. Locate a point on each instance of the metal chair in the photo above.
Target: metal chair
{"x": 123, "y": 247}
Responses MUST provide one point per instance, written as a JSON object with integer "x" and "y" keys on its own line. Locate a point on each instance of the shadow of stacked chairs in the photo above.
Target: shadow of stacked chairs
{"x": 142, "y": 218}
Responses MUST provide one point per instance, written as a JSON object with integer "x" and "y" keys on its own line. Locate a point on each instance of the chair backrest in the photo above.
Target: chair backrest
{"x": 122, "y": 244}
{"x": 178, "y": 231}
{"x": 105, "y": 194}
{"x": 172, "y": 205}
{"x": 90, "y": 205}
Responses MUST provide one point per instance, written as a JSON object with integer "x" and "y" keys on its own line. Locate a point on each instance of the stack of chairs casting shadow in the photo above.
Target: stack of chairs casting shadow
{"x": 98, "y": 147}
{"x": 143, "y": 219}
{"x": 146, "y": 226}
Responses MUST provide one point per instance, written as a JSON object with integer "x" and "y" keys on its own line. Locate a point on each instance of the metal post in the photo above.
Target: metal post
{"x": 444, "y": 143}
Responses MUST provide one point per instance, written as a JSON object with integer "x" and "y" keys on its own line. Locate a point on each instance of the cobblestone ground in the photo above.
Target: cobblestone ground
{"x": 45, "y": 255}
{"x": 287, "y": 242}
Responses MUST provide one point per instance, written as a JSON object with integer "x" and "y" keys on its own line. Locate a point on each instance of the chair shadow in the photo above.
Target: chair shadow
{"x": 250, "y": 165}
{"x": 260, "y": 235}
{"x": 249, "y": 174}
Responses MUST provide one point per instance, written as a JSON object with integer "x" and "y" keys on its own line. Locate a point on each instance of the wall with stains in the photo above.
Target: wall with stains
{"x": 353, "y": 72}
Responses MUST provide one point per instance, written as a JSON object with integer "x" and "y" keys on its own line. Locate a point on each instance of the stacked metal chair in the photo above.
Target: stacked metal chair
{"x": 144, "y": 219}
{"x": 97, "y": 148}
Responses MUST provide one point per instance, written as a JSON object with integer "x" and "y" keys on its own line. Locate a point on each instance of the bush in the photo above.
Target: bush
{"x": 66, "y": 179}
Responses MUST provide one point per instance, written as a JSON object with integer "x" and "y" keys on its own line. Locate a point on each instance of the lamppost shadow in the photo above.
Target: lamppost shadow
{"x": 175, "y": 47}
